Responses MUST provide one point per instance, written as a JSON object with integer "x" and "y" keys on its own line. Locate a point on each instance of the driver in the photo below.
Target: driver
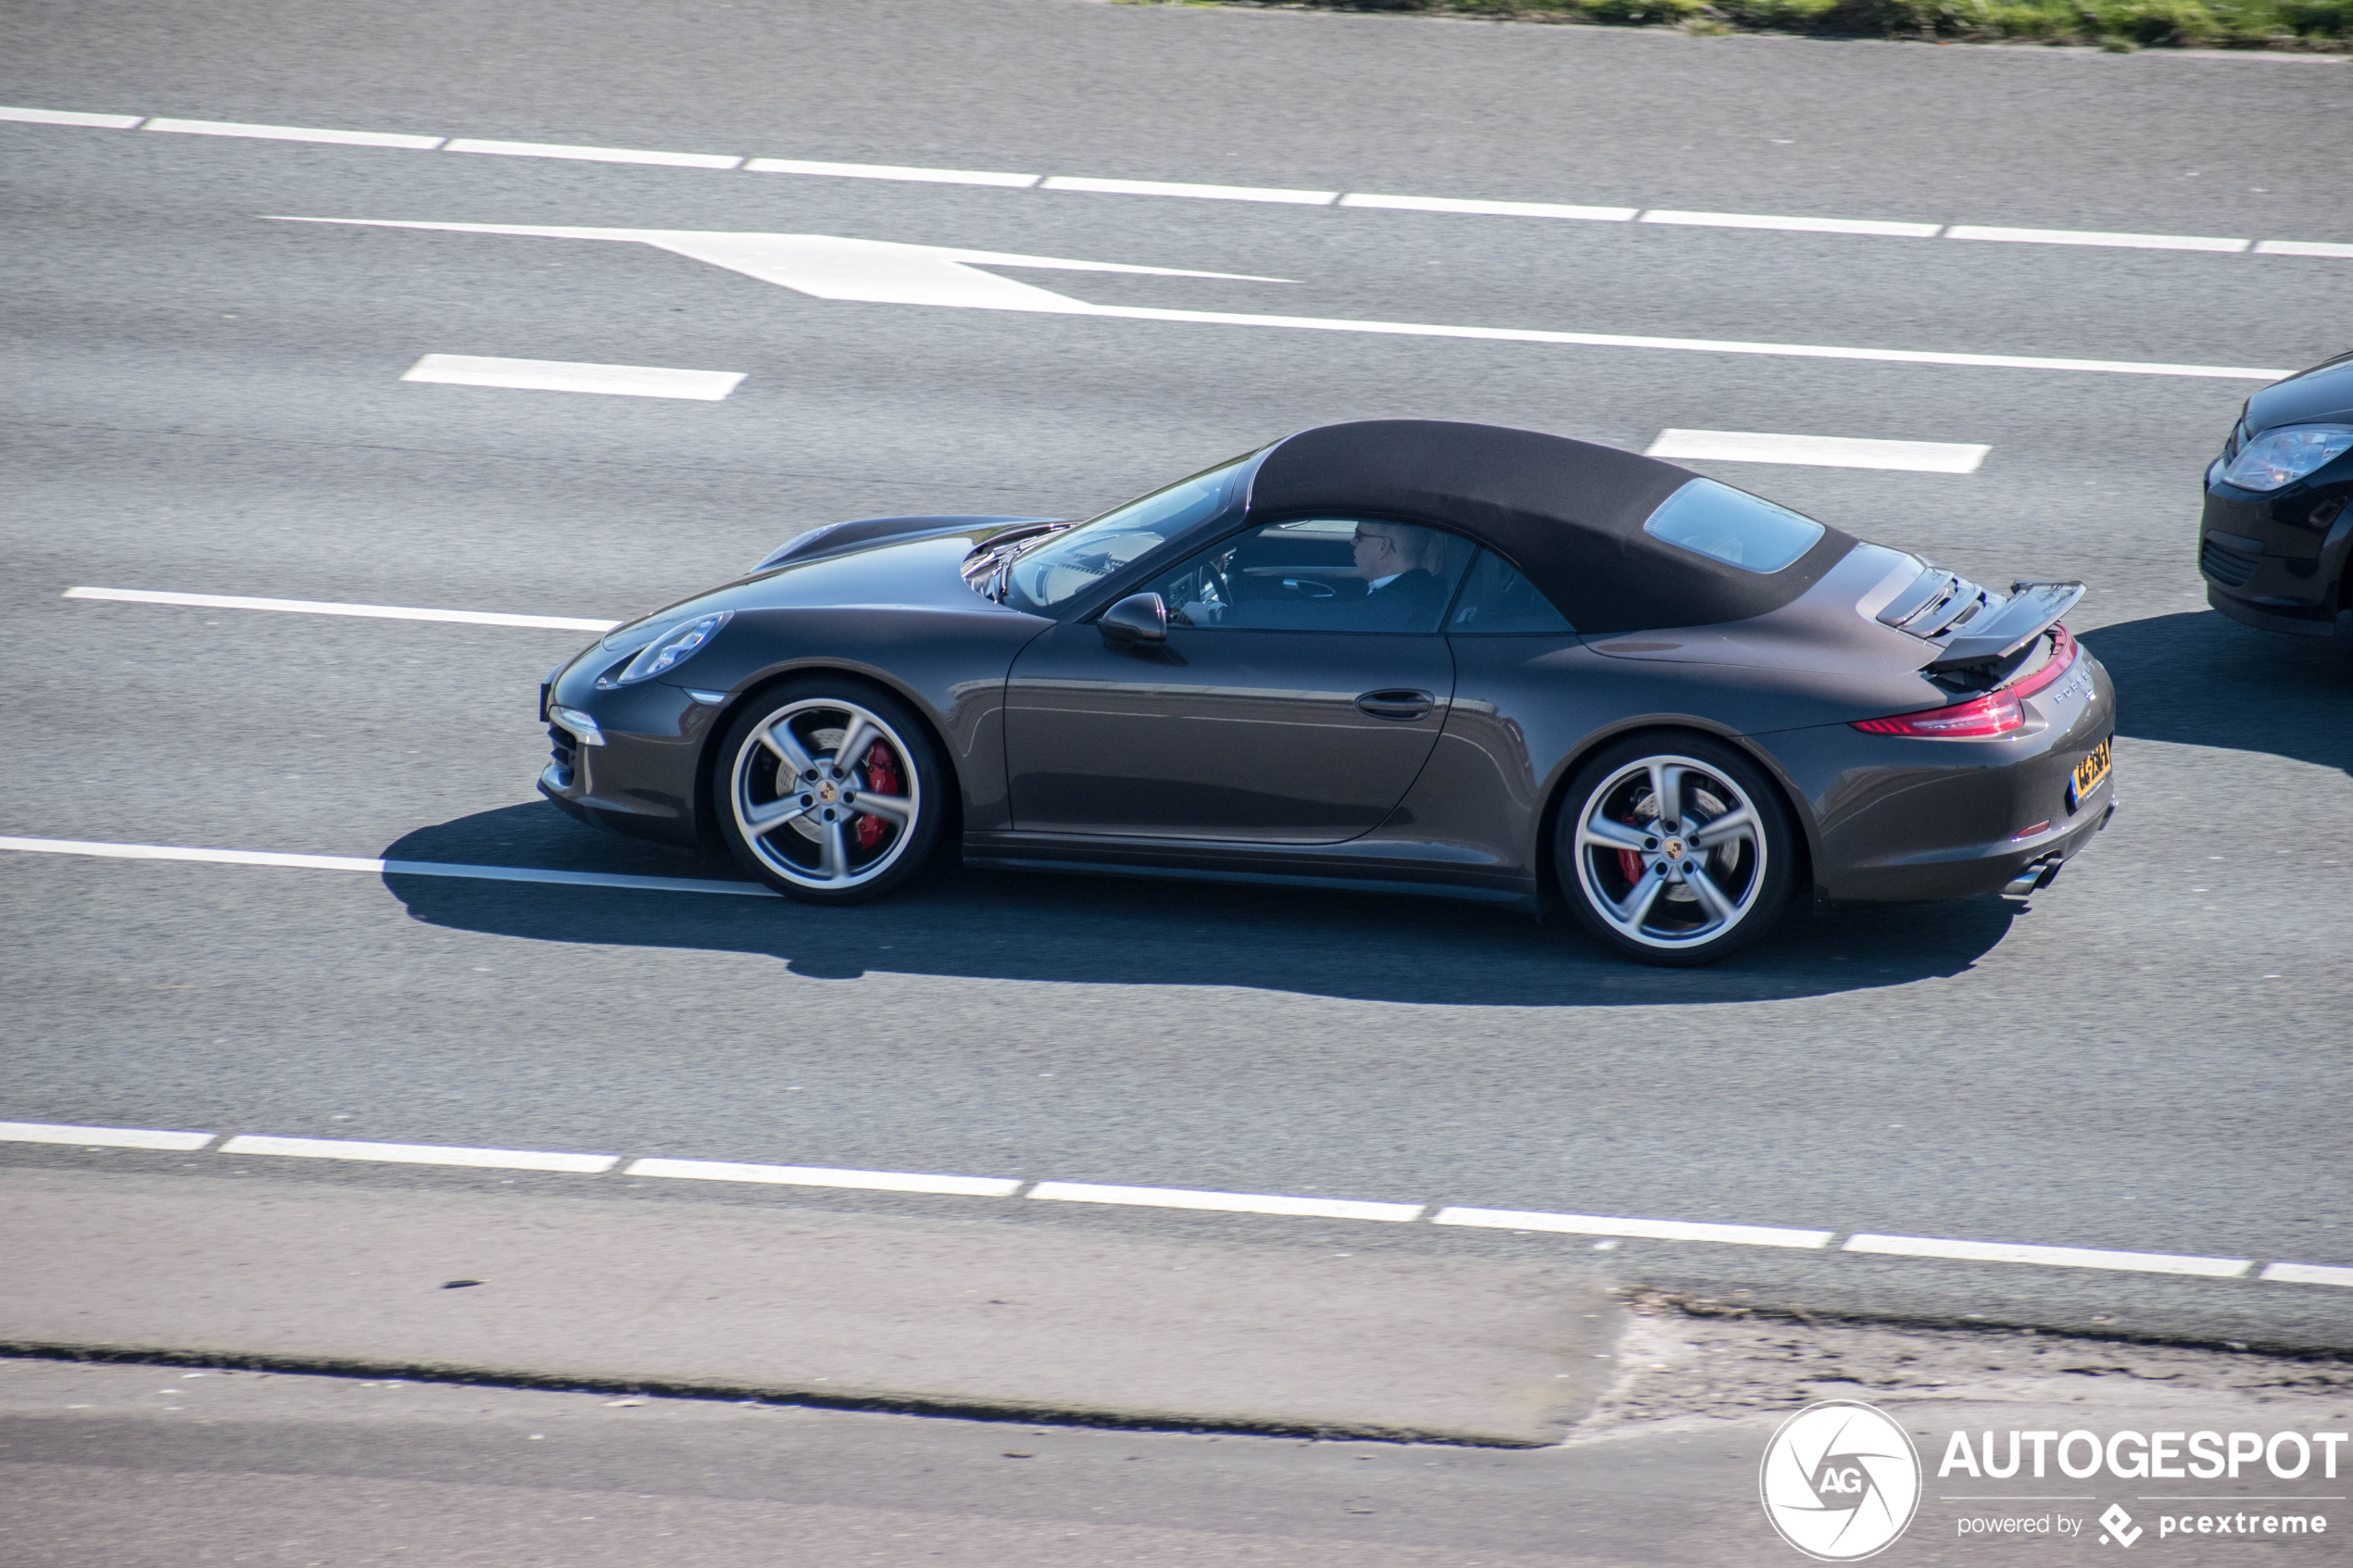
{"x": 1402, "y": 590}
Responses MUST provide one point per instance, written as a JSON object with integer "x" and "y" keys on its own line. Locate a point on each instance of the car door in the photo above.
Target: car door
{"x": 1266, "y": 717}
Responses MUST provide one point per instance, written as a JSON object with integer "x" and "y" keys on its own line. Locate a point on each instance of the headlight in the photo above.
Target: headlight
{"x": 2281, "y": 456}
{"x": 665, "y": 648}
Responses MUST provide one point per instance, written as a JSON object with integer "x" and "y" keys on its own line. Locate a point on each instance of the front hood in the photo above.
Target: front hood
{"x": 2321, "y": 395}
{"x": 908, "y": 574}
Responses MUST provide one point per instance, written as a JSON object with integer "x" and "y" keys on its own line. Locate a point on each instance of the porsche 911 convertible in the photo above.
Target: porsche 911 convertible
{"x": 1395, "y": 656}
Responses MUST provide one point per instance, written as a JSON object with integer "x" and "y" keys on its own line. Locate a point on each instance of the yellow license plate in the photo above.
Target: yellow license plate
{"x": 2090, "y": 773}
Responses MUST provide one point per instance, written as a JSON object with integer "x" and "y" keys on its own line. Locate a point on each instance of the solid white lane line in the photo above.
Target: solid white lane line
{"x": 295, "y": 133}
{"x": 821, "y": 1176}
{"x": 1818, "y": 451}
{"x": 893, "y": 171}
{"x": 572, "y": 375}
{"x": 101, "y": 1137}
{"x": 2301, "y": 247}
{"x": 2094, "y": 237}
{"x": 1692, "y": 345}
{"x": 2308, "y": 1273}
{"x": 1795, "y": 225}
{"x": 592, "y": 154}
{"x": 323, "y": 607}
{"x": 1655, "y": 1230}
{"x": 70, "y": 117}
{"x": 424, "y": 1154}
{"x": 1491, "y": 208}
{"x": 1179, "y": 188}
{"x": 1225, "y": 1202}
{"x": 2055, "y": 1257}
{"x": 101, "y": 849}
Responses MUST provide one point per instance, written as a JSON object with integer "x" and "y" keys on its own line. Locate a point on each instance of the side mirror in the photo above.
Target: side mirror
{"x": 1139, "y": 618}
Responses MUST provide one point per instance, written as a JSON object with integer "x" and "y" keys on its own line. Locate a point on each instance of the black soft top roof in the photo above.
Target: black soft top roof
{"x": 1568, "y": 514}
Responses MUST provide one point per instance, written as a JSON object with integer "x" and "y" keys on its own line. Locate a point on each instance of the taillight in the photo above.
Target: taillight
{"x": 1996, "y": 713}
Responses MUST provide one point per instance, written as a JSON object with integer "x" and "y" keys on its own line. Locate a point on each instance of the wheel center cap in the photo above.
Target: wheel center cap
{"x": 1674, "y": 847}
{"x": 825, "y": 793}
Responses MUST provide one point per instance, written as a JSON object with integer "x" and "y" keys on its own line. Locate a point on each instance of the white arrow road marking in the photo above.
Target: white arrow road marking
{"x": 870, "y": 272}
{"x": 885, "y": 272}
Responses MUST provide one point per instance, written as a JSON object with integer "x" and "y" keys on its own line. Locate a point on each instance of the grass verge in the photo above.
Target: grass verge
{"x": 2306, "y": 25}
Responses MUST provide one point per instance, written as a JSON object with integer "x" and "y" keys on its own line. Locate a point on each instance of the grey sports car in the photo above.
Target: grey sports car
{"x": 1399, "y": 655}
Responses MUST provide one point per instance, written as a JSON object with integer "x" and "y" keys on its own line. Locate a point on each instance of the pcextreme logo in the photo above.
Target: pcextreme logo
{"x": 1840, "y": 1481}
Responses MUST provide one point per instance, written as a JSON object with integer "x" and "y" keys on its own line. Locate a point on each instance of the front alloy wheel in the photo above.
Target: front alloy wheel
{"x": 1675, "y": 851}
{"x": 827, "y": 795}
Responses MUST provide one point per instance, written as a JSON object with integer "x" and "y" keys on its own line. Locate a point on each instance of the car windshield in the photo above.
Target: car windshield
{"x": 1068, "y": 563}
{"x": 1732, "y": 526}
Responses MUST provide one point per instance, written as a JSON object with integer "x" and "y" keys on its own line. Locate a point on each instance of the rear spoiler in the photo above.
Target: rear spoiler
{"x": 2000, "y": 630}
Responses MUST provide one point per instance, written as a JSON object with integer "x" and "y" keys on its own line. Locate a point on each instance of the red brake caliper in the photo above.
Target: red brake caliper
{"x": 882, "y": 778}
{"x": 1629, "y": 864}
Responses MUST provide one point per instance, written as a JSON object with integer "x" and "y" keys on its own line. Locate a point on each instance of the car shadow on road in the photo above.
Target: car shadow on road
{"x": 1120, "y": 931}
{"x": 2202, "y": 679}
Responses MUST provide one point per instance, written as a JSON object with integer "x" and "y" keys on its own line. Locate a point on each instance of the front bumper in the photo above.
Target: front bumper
{"x": 644, "y": 780}
{"x": 2278, "y": 562}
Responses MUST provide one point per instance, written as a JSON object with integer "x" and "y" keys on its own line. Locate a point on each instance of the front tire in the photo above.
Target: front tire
{"x": 830, "y": 791}
{"x": 1675, "y": 849}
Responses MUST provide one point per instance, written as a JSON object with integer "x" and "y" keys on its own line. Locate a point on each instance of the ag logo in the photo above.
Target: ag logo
{"x": 1840, "y": 1481}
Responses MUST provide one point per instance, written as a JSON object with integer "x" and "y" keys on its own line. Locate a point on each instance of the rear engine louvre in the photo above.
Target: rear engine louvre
{"x": 1997, "y": 712}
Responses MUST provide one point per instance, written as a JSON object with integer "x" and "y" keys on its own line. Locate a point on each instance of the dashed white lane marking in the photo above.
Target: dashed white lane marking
{"x": 100, "y": 850}
{"x": 295, "y": 133}
{"x": 424, "y": 1154}
{"x": 1860, "y": 226}
{"x": 73, "y": 117}
{"x": 572, "y": 375}
{"x": 2308, "y": 1273}
{"x": 822, "y": 1177}
{"x": 1655, "y": 1230}
{"x": 893, "y": 171}
{"x": 323, "y": 607}
{"x": 888, "y": 272}
{"x": 1492, "y": 209}
{"x": 1159, "y": 1198}
{"x": 1179, "y": 188}
{"x": 592, "y": 154}
{"x": 1226, "y": 1202}
{"x": 1818, "y": 451}
{"x": 2055, "y": 1257}
{"x": 2094, "y": 237}
{"x": 1795, "y": 225}
{"x": 101, "y": 1137}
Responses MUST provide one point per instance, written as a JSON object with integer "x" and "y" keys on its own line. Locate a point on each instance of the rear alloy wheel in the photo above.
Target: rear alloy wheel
{"x": 1674, "y": 851}
{"x": 829, "y": 793}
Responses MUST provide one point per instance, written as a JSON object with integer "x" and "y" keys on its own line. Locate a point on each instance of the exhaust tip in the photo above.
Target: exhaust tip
{"x": 2032, "y": 877}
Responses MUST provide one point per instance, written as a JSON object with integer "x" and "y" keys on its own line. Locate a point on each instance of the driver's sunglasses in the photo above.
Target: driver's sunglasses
{"x": 1360, "y": 537}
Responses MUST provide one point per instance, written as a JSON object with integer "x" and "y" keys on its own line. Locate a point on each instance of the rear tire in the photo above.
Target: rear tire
{"x": 830, "y": 791}
{"x": 1683, "y": 883}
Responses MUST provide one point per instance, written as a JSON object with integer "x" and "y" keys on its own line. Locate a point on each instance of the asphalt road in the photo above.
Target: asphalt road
{"x": 203, "y": 400}
{"x": 138, "y": 1466}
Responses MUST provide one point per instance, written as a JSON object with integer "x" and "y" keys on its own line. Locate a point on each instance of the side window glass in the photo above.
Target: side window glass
{"x": 1498, "y": 599}
{"x": 1320, "y": 574}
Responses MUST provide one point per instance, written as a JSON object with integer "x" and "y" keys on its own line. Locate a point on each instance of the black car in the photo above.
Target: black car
{"x": 2273, "y": 542}
{"x": 1398, "y": 656}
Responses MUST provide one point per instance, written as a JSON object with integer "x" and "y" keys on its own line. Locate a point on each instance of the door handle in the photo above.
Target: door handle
{"x": 1396, "y": 703}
